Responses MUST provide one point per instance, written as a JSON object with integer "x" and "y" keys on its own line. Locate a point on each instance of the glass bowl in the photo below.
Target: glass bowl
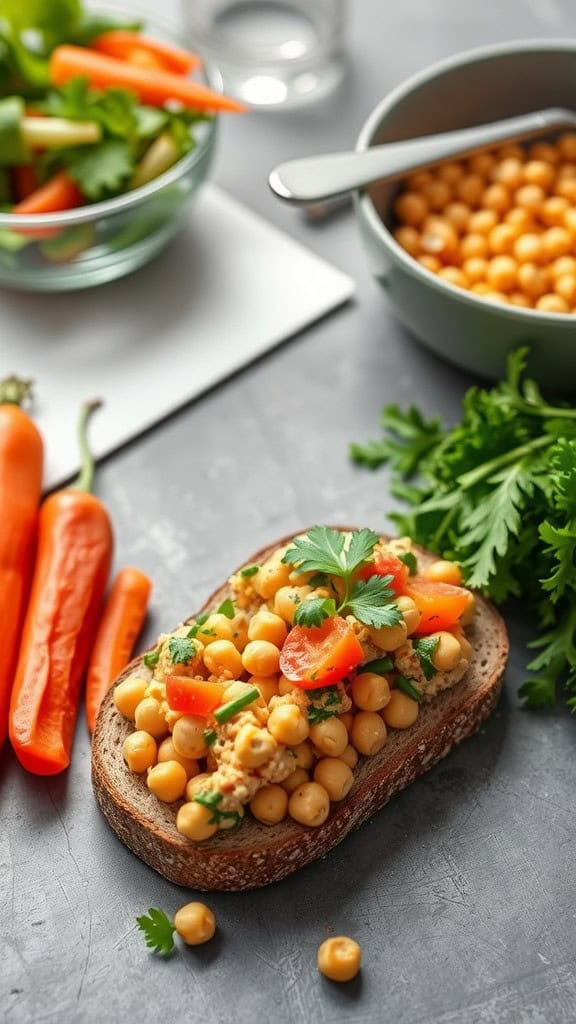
{"x": 104, "y": 241}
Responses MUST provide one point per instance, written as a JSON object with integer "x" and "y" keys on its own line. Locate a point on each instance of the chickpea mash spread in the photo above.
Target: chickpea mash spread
{"x": 266, "y": 703}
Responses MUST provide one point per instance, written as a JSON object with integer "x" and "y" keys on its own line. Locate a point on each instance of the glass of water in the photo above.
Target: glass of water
{"x": 270, "y": 53}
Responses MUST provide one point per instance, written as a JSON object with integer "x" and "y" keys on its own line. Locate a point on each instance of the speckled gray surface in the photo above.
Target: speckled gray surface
{"x": 461, "y": 892}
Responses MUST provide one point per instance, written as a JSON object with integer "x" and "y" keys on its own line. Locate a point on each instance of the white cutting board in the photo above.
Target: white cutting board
{"x": 227, "y": 289}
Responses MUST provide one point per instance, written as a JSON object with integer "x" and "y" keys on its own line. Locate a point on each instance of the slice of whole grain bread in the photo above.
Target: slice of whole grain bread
{"x": 256, "y": 854}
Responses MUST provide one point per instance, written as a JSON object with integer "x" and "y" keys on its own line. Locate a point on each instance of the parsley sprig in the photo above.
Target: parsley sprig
{"x": 323, "y": 550}
{"x": 158, "y": 931}
{"x": 497, "y": 493}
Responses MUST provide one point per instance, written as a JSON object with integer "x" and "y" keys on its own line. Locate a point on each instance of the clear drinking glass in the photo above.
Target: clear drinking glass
{"x": 270, "y": 53}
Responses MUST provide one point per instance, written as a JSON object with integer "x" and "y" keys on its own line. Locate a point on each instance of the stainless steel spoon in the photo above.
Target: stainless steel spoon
{"x": 317, "y": 178}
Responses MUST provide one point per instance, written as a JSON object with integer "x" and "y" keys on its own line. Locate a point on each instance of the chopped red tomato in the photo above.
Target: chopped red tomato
{"x": 387, "y": 564}
{"x": 317, "y": 656}
{"x": 440, "y": 604}
{"x": 193, "y": 696}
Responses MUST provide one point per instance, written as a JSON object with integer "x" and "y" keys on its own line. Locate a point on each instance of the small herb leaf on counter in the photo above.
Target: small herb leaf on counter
{"x": 158, "y": 931}
{"x": 425, "y": 648}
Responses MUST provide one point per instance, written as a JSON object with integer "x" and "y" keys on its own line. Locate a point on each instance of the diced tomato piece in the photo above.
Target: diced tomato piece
{"x": 387, "y": 564}
{"x": 193, "y": 696}
{"x": 440, "y": 604}
{"x": 317, "y": 656}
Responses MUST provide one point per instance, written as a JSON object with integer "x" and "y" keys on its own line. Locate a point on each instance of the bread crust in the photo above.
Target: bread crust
{"x": 256, "y": 854}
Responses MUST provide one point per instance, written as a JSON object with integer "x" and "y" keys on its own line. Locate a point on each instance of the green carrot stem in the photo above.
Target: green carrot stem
{"x": 85, "y": 479}
{"x": 14, "y": 391}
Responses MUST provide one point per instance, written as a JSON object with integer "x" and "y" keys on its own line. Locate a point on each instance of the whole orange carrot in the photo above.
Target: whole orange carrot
{"x": 125, "y": 45}
{"x": 70, "y": 576}
{"x": 153, "y": 87}
{"x": 21, "y": 457}
{"x": 122, "y": 618}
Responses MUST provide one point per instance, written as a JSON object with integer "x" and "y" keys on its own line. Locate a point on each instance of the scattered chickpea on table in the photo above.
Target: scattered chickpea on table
{"x": 501, "y": 225}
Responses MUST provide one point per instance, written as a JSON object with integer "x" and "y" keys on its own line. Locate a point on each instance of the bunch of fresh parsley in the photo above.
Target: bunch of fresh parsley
{"x": 497, "y": 493}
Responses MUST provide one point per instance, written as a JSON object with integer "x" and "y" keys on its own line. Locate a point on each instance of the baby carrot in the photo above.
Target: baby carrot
{"x": 123, "y": 45}
{"x": 122, "y": 618}
{"x": 72, "y": 567}
{"x": 153, "y": 87}
{"x": 56, "y": 194}
{"x": 21, "y": 456}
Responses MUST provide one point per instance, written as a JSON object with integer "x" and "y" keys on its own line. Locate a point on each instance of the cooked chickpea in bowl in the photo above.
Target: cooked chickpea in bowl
{"x": 501, "y": 224}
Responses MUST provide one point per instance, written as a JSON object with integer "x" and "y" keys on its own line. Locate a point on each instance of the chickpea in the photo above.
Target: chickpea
{"x": 448, "y": 652}
{"x": 148, "y": 715}
{"x": 494, "y": 296}
{"x": 335, "y": 776}
{"x": 556, "y": 242}
{"x": 533, "y": 280}
{"x": 409, "y": 239}
{"x": 139, "y": 751}
{"x": 261, "y": 658}
{"x": 473, "y": 245}
{"x": 266, "y": 625}
{"x": 297, "y": 778}
{"x": 412, "y": 208}
{"x": 216, "y": 627}
{"x": 309, "y": 804}
{"x": 410, "y": 613}
{"x": 167, "y": 780}
{"x": 451, "y": 172}
{"x": 496, "y": 197}
{"x": 543, "y": 151}
{"x": 330, "y": 737}
{"x": 167, "y": 752}
{"x": 470, "y": 189}
{"x": 458, "y": 214}
{"x": 287, "y": 599}
{"x": 288, "y": 724}
{"x": 531, "y": 197}
{"x": 253, "y": 746}
{"x": 188, "y": 737}
{"x": 401, "y": 712}
{"x": 240, "y": 630}
{"x": 438, "y": 193}
{"x": 528, "y": 248}
{"x": 563, "y": 265}
{"x": 350, "y": 756}
{"x": 128, "y": 694}
{"x": 195, "y": 924}
{"x": 268, "y": 686}
{"x": 439, "y": 238}
{"x": 508, "y": 172}
{"x": 469, "y": 612}
{"x": 466, "y": 646}
{"x": 269, "y": 804}
{"x": 570, "y": 222}
{"x": 223, "y": 659}
{"x": 502, "y": 273}
{"x": 347, "y": 718}
{"x": 567, "y": 146}
{"x": 502, "y": 238}
{"x": 304, "y": 756}
{"x": 475, "y": 269}
{"x": 553, "y": 210}
{"x": 417, "y": 181}
{"x": 481, "y": 163}
{"x": 520, "y": 218}
{"x": 552, "y": 303}
{"x": 368, "y": 733}
{"x": 566, "y": 189}
{"x": 480, "y": 288}
{"x": 566, "y": 170}
{"x": 389, "y": 638}
{"x": 432, "y": 263}
{"x": 339, "y": 958}
{"x": 370, "y": 692}
{"x": 482, "y": 222}
{"x": 196, "y": 784}
{"x": 455, "y": 276}
{"x": 519, "y": 299}
{"x": 193, "y": 820}
{"x": 443, "y": 571}
{"x": 565, "y": 287}
{"x": 285, "y": 686}
{"x": 271, "y": 576}
{"x": 539, "y": 172}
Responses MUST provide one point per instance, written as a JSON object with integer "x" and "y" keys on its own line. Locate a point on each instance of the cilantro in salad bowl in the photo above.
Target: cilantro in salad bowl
{"x": 107, "y": 127}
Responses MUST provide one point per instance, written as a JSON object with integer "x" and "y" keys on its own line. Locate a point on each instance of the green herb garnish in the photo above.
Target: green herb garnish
{"x": 210, "y": 737}
{"x": 380, "y": 666}
{"x": 249, "y": 570}
{"x": 227, "y": 711}
{"x": 227, "y": 609}
{"x": 158, "y": 931}
{"x": 326, "y": 703}
{"x": 212, "y": 801}
{"x": 407, "y": 687}
{"x": 497, "y": 494}
{"x": 323, "y": 550}
{"x": 193, "y": 631}
{"x": 181, "y": 650}
{"x": 314, "y": 611}
{"x": 152, "y": 658}
{"x": 424, "y": 649}
{"x": 410, "y": 561}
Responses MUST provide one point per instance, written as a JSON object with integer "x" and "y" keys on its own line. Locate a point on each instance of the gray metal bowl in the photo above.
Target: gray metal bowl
{"x": 473, "y": 87}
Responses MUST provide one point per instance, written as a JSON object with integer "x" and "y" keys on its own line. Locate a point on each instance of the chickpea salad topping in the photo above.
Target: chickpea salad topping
{"x": 267, "y": 702}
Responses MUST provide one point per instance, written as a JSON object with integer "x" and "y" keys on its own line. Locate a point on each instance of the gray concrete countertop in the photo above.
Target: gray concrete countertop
{"x": 461, "y": 892}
